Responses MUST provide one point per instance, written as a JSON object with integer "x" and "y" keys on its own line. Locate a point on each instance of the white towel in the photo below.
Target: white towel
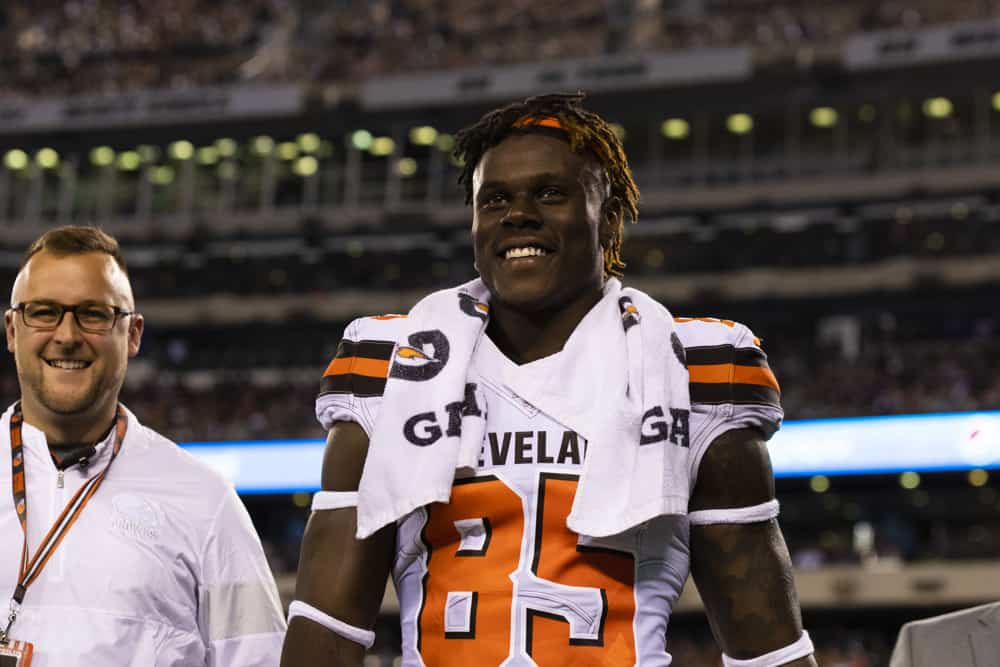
{"x": 622, "y": 384}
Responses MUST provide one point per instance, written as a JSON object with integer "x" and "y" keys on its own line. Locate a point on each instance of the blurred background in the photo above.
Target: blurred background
{"x": 827, "y": 172}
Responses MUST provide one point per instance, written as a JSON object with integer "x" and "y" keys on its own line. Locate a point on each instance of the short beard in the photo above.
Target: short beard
{"x": 78, "y": 406}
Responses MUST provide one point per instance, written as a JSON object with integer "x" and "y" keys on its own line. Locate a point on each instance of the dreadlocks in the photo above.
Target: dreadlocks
{"x": 586, "y": 131}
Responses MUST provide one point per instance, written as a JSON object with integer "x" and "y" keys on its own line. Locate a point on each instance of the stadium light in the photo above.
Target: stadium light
{"x": 619, "y": 130}
{"x": 228, "y": 171}
{"x": 867, "y": 113}
{"x": 309, "y": 142}
{"x": 227, "y": 147}
{"x": 675, "y": 128}
{"x": 325, "y": 149}
{"x": 102, "y": 156}
{"x": 208, "y": 155}
{"x": 301, "y": 499}
{"x": 16, "y": 159}
{"x": 162, "y": 175}
{"x": 361, "y": 139}
{"x": 288, "y": 150}
{"x": 306, "y": 166}
{"x": 181, "y": 150}
{"x": 823, "y": 117}
{"x": 978, "y": 477}
{"x": 47, "y": 158}
{"x": 445, "y": 143}
{"x": 424, "y": 135}
{"x": 938, "y": 107}
{"x": 909, "y": 480}
{"x": 129, "y": 160}
{"x": 819, "y": 483}
{"x": 739, "y": 123}
{"x": 148, "y": 153}
{"x": 382, "y": 146}
{"x": 263, "y": 145}
{"x": 406, "y": 167}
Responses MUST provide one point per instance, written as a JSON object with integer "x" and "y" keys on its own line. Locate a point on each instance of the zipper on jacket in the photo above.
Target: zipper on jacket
{"x": 59, "y": 479}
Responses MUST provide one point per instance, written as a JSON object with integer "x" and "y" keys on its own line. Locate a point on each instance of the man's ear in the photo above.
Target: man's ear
{"x": 612, "y": 213}
{"x": 135, "y": 330}
{"x": 8, "y": 329}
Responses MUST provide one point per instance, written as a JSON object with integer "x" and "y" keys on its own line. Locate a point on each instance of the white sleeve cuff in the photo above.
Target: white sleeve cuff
{"x": 334, "y": 500}
{"x": 798, "y": 649}
{"x": 364, "y": 637}
{"x": 753, "y": 514}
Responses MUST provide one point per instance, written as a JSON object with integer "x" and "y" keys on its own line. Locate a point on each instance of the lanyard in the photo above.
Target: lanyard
{"x": 31, "y": 568}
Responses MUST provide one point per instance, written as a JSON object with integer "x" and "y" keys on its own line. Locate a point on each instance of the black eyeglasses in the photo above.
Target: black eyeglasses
{"x": 90, "y": 316}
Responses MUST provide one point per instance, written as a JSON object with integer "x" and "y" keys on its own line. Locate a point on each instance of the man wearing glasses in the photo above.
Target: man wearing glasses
{"x": 116, "y": 546}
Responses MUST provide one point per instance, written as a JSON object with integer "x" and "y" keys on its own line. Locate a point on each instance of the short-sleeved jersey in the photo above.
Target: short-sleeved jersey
{"x": 494, "y": 576}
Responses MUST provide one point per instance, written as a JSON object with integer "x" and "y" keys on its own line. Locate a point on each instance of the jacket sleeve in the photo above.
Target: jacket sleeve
{"x": 239, "y": 612}
{"x": 901, "y": 655}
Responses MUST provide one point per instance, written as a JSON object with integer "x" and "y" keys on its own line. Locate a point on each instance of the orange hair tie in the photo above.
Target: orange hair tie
{"x": 540, "y": 121}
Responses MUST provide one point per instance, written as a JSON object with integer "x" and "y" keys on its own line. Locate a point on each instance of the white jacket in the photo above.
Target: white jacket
{"x": 162, "y": 569}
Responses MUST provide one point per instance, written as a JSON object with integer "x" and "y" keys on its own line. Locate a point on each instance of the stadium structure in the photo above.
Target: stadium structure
{"x": 827, "y": 173}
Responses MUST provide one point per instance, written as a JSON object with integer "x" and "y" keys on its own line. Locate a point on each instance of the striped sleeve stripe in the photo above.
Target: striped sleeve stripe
{"x": 725, "y": 354}
{"x": 727, "y": 374}
{"x": 715, "y": 394}
{"x": 359, "y": 368}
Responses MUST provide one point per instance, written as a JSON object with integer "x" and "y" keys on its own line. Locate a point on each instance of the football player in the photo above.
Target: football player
{"x": 494, "y": 576}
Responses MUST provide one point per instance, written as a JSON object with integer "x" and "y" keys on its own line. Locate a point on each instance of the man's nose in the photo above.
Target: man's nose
{"x": 67, "y": 331}
{"x": 522, "y": 213}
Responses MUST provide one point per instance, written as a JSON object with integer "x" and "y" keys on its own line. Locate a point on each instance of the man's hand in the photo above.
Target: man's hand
{"x": 743, "y": 571}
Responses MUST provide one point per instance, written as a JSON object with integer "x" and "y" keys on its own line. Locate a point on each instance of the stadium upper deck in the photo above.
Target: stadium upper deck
{"x": 66, "y": 47}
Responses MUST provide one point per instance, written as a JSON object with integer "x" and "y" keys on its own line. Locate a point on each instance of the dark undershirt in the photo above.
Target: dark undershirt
{"x": 66, "y": 455}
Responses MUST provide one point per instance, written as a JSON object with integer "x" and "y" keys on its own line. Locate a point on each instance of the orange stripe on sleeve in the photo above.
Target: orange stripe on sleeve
{"x": 756, "y": 375}
{"x": 711, "y": 373}
{"x": 373, "y": 368}
{"x": 725, "y": 373}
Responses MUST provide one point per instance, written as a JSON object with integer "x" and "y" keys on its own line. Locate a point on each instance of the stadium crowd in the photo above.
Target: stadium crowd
{"x": 227, "y": 401}
{"x": 57, "y": 47}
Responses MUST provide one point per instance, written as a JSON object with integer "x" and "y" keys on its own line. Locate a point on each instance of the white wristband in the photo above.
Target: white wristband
{"x": 752, "y": 514}
{"x": 364, "y": 637}
{"x": 334, "y": 500}
{"x": 799, "y": 649}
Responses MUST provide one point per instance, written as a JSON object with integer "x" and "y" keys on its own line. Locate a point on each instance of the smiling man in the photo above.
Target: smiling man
{"x": 116, "y": 546}
{"x": 554, "y": 453}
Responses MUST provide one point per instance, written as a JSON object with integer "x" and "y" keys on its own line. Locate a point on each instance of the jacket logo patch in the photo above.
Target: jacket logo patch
{"x": 135, "y": 517}
{"x": 424, "y": 357}
{"x": 470, "y": 306}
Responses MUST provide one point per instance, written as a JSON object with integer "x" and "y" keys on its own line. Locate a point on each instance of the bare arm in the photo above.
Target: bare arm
{"x": 338, "y": 574}
{"x": 743, "y": 571}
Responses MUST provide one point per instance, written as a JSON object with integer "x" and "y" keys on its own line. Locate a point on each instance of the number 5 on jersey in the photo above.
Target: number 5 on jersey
{"x": 498, "y": 591}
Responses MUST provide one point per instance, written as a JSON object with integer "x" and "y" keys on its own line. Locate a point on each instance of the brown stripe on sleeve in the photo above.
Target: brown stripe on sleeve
{"x": 726, "y": 374}
{"x": 725, "y": 354}
{"x": 359, "y": 368}
{"x": 715, "y": 394}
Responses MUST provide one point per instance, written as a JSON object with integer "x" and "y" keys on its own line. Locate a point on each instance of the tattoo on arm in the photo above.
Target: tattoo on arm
{"x": 743, "y": 571}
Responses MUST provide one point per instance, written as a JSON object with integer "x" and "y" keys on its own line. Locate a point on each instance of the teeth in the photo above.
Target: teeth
{"x": 68, "y": 364}
{"x": 527, "y": 251}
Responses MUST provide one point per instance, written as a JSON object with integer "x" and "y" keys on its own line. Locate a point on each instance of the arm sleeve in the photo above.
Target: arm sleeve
{"x": 901, "y": 654}
{"x": 731, "y": 384}
{"x": 354, "y": 381}
{"x": 239, "y": 612}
